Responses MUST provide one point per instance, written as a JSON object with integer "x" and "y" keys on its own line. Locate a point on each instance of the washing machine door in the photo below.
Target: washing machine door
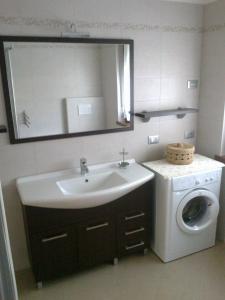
{"x": 197, "y": 211}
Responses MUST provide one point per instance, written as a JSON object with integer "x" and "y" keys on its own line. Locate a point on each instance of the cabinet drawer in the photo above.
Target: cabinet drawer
{"x": 133, "y": 219}
{"x": 128, "y": 227}
{"x": 54, "y": 253}
{"x": 139, "y": 233}
{"x": 134, "y": 215}
{"x": 133, "y": 243}
{"x": 137, "y": 230}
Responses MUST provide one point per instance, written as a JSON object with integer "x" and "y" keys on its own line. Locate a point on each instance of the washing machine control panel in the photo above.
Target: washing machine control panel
{"x": 196, "y": 180}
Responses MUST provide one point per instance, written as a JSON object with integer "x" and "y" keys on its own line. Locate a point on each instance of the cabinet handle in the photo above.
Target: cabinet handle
{"x": 135, "y": 216}
{"x": 135, "y": 231}
{"x": 135, "y": 246}
{"x": 97, "y": 226}
{"x": 56, "y": 237}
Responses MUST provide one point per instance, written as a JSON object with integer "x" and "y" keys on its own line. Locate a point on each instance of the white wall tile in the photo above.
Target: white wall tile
{"x": 214, "y": 13}
{"x": 146, "y": 88}
{"x": 46, "y": 8}
{"x": 10, "y": 8}
{"x": 173, "y": 13}
{"x": 147, "y": 58}
{"x": 211, "y": 116}
{"x": 145, "y": 11}
{"x": 209, "y": 137}
{"x": 98, "y": 10}
{"x": 16, "y": 160}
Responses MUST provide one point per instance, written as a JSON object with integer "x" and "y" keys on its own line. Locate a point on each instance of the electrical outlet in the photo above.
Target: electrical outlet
{"x": 189, "y": 134}
{"x": 153, "y": 139}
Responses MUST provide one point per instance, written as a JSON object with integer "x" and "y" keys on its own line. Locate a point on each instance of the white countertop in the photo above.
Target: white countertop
{"x": 168, "y": 170}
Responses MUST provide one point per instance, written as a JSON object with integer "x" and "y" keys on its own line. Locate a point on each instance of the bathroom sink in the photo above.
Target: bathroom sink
{"x": 90, "y": 184}
{"x": 69, "y": 190}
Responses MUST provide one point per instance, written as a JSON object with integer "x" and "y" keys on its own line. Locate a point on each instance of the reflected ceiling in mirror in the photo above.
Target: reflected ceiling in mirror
{"x": 63, "y": 87}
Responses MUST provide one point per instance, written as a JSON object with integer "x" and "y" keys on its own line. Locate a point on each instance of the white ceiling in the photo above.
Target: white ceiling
{"x": 194, "y": 1}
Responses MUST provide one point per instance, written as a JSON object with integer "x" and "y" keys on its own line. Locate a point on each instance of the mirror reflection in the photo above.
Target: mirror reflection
{"x": 66, "y": 88}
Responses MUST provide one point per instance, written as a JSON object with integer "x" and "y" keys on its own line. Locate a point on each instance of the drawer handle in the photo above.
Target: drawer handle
{"x": 97, "y": 226}
{"x": 135, "y": 216}
{"x": 135, "y": 246}
{"x": 134, "y": 231}
{"x": 56, "y": 237}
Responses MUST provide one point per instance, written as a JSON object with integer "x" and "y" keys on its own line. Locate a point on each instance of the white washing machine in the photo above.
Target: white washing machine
{"x": 186, "y": 206}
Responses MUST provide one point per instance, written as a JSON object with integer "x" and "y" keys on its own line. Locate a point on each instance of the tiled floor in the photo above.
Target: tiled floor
{"x": 200, "y": 276}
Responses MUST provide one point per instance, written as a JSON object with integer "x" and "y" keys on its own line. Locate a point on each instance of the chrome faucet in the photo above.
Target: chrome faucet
{"x": 83, "y": 166}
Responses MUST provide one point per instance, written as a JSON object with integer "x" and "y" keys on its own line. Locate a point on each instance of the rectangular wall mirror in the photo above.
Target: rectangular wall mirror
{"x": 64, "y": 87}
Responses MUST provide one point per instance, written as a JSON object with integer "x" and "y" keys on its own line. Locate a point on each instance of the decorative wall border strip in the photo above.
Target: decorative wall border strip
{"x": 66, "y": 25}
{"x": 214, "y": 28}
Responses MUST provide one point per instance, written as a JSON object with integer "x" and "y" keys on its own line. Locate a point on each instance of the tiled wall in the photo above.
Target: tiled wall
{"x": 167, "y": 38}
{"x": 211, "y": 139}
{"x": 211, "y": 116}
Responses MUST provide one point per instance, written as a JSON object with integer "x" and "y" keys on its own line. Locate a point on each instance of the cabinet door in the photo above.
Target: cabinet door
{"x": 96, "y": 241}
{"x": 54, "y": 253}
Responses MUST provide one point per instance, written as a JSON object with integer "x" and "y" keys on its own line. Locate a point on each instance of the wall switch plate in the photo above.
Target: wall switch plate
{"x": 189, "y": 134}
{"x": 153, "y": 139}
{"x": 192, "y": 84}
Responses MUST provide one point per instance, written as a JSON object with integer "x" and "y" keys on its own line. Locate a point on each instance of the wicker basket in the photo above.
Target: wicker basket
{"x": 180, "y": 154}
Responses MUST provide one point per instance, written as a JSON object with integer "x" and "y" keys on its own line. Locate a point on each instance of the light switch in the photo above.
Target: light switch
{"x": 192, "y": 84}
{"x": 153, "y": 139}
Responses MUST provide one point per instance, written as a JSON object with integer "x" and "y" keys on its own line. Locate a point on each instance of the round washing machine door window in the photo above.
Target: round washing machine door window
{"x": 197, "y": 211}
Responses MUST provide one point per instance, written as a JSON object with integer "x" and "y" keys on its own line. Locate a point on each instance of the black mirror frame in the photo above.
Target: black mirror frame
{"x": 12, "y": 137}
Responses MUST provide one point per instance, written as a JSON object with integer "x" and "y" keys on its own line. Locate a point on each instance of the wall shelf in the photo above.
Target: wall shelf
{"x": 179, "y": 112}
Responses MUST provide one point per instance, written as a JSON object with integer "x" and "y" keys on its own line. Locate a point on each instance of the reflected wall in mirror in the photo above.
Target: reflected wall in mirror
{"x": 63, "y": 87}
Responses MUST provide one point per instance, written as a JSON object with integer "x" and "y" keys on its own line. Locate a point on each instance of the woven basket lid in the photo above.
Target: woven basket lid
{"x": 181, "y": 147}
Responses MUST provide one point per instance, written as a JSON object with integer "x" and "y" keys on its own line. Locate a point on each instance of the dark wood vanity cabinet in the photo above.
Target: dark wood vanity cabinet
{"x": 62, "y": 241}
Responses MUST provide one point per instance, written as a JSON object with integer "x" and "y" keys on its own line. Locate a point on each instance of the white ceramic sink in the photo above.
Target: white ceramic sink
{"x": 68, "y": 189}
{"x": 90, "y": 184}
